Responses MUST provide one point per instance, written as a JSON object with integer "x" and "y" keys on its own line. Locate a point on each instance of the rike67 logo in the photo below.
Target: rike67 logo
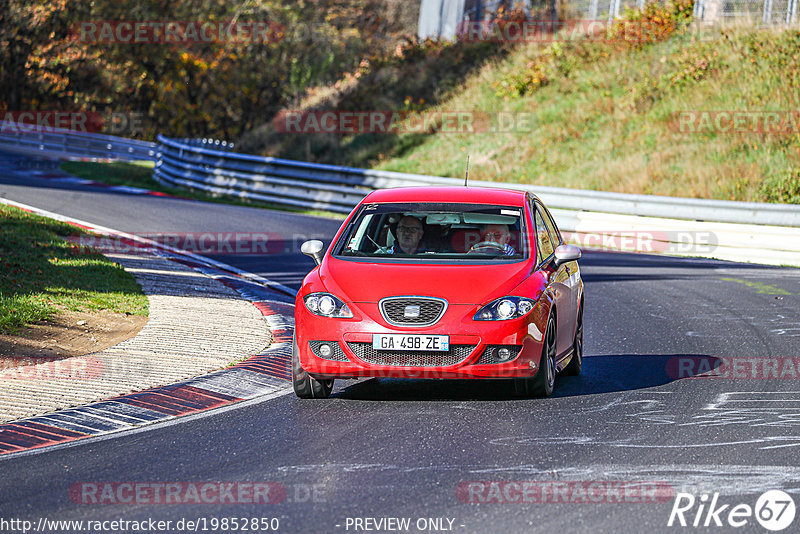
{"x": 774, "y": 510}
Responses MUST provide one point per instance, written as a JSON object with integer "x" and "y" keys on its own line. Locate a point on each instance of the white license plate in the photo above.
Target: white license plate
{"x": 410, "y": 342}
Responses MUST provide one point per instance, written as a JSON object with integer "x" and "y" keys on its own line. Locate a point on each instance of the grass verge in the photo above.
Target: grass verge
{"x": 140, "y": 174}
{"x": 43, "y": 272}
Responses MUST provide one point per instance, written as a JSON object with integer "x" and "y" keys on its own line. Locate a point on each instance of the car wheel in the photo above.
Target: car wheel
{"x": 305, "y": 385}
{"x": 542, "y": 384}
{"x": 575, "y": 364}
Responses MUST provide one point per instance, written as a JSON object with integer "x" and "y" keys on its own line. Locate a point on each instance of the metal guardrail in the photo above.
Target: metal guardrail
{"x": 207, "y": 142}
{"x": 69, "y": 144}
{"x": 742, "y": 231}
{"x": 338, "y": 189}
{"x": 290, "y": 183}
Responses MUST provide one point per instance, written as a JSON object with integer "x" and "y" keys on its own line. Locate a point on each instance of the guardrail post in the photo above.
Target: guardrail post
{"x": 613, "y": 10}
{"x": 699, "y": 9}
{"x": 766, "y": 18}
{"x": 791, "y": 12}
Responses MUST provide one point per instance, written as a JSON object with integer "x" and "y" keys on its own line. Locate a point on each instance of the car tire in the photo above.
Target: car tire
{"x": 542, "y": 384}
{"x": 576, "y": 363}
{"x": 306, "y": 386}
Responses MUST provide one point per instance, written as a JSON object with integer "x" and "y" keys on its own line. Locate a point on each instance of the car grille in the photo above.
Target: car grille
{"x": 431, "y": 310}
{"x": 489, "y": 355}
{"x": 411, "y": 358}
{"x": 337, "y": 355}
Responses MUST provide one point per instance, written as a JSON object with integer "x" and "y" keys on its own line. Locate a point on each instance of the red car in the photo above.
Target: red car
{"x": 441, "y": 282}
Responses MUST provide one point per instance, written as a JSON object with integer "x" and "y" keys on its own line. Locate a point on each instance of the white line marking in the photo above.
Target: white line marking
{"x": 729, "y": 400}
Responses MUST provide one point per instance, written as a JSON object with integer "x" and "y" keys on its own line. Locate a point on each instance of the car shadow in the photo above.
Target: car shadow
{"x": 601, "y": 374}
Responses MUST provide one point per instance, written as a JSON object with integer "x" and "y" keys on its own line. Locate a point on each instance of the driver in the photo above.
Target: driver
{"x": 409, "y": 234}
{"x": 498, "y": 233}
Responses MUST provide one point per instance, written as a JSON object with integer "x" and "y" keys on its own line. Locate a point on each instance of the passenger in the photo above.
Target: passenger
{"x": 409, "y": 234}
{"x": 498, "y": 233}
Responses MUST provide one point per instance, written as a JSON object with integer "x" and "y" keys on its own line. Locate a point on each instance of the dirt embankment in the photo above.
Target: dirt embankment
{"x": 67, "y": 334}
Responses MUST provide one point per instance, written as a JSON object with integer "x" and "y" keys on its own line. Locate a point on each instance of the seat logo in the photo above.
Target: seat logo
{"x": 411, "y": 312}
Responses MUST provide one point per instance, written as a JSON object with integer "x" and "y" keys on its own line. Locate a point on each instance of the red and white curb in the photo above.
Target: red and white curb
{"x": 266, "y": 374}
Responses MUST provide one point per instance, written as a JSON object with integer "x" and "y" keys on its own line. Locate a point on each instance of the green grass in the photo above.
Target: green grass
{"x": 43, "y": 272}
{"x": 140, "y": 174}
{"x": 134, "y": 174}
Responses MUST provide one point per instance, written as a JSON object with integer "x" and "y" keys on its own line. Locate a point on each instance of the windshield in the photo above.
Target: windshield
{"x": 435, "y": 231}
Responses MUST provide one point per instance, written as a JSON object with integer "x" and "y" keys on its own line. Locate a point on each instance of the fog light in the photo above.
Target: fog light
{"x": 503, "y": 354}
{"x": 325, "y": 350}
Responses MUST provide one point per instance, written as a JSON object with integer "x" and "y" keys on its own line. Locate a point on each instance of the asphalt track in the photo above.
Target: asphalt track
{"x": 402, "y": 449}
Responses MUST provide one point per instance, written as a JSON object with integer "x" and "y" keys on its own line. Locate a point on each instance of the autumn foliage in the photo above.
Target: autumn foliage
{"x": 219, "y": 87}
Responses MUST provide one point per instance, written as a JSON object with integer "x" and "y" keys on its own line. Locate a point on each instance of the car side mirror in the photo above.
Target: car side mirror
{"x": 313, "y": 248}
{"x": 565, "y": 253}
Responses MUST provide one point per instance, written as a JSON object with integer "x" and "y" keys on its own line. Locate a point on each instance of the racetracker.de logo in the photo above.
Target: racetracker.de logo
{"x": 735, "y": 368}
{"x": 644, "y": 241}
{"x": 547, "y": 30}
{"x": 399, "y": 122}
{"x": 571, "y": 492}
{"x": 238, "y": 243}
{"x": 776, "y": 122}
{"x": 101, "y": 493}
{"x": 127, "y": 123}
{"x": 176, "y": 32}
{"x": 51, "y": 368}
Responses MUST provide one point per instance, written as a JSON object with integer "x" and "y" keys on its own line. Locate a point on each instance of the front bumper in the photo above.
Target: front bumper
{"x": 355, "y": 358}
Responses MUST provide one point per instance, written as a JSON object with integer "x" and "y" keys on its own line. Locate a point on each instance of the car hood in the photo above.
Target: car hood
{"x": 458, "y": 284}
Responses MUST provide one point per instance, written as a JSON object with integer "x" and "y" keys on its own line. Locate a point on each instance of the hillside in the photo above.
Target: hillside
{"x": 670, "y": 110}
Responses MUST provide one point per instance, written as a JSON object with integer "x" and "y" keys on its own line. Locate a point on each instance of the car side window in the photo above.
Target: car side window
{"x": 551, "y": 225}
{"x": 544, "y": 241}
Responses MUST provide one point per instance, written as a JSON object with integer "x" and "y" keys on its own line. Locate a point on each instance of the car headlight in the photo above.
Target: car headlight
{"x": 505, "y": 308}
{"x": 327, "y": 305}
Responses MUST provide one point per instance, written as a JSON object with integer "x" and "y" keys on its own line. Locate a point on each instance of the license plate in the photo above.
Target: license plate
{"x": 410, "y": 342}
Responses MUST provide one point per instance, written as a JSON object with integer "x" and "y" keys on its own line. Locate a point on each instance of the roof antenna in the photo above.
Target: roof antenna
{"x": 466, "y": 174}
